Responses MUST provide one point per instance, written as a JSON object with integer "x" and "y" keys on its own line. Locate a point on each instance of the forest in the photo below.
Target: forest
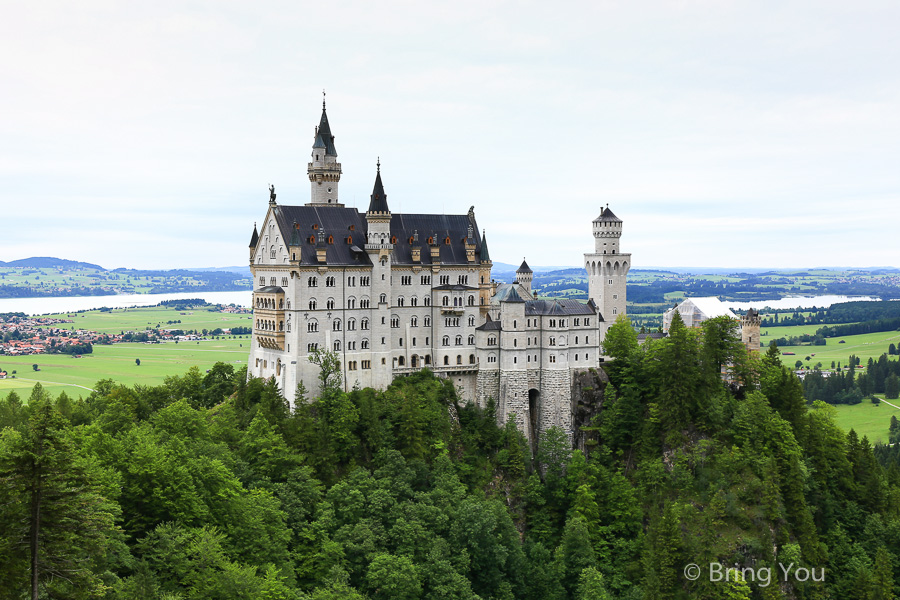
{"x": 212, "y": 486}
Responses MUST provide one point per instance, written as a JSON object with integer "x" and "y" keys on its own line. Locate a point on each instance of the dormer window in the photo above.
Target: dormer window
{"x": 331, "y": 239}
{"x": 447, "y": 240}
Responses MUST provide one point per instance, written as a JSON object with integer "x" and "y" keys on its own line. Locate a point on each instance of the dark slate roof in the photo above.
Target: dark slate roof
{"x": 254, "y": 239}
{"x": 490, "y": 325}
{"x": 270, "y": 289}
{"x": 557, "y": 306}
{"x": 324, "y": 131}
{"x": 378, "y": 199}
{"x": 295, "y": 234}
{"x": 337, "y": 222}
{"x": 455, "y": 288}
{"x": 483, "y": 254}
{"x": 524, "y": 268}
{"x": 319, "y": 143}
{"x": 608, "y": 215}
{"x": 511, "y": 295}
{"x": 334, "y": 221}
{"x": 441, "y": 227}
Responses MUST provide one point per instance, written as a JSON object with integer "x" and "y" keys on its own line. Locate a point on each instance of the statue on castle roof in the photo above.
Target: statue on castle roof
{"x": 271, "y": 193}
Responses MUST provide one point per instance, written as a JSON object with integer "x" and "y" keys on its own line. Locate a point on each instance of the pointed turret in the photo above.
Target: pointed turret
{"x": 484, "y": 255}
{"x": 254, "y": 239}
{"x": 524, "y": 275}
{"x": 324, "y": 131}
{"x": 378, "y": 199}
{"x": 524, "y": 268}
{"x": 324, "y": 171}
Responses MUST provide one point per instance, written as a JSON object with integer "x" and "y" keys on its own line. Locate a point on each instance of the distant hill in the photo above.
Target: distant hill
{"x": 49, "y": 262}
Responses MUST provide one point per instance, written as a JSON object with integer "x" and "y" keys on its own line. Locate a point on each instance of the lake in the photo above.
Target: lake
{"x": 49, "y": 306}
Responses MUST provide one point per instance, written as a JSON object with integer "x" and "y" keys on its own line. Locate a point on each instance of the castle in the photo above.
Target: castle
{"x": 394, "y": 293}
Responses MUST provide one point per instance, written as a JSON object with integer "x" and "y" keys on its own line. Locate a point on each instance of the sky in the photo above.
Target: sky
{"x": 723, "y": 134}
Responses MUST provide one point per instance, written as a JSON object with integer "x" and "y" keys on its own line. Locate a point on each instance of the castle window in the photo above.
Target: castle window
{"x": 272, "y": 281}
{"x": 393, "y": 239}
{"x": 366, "y": 364}
{"x": 446, "y": 241}
{"x": 427, "y": 300}
{"x": 364, "y": 281}
{"x": 351, "y": 324}
{"x": 364, "y": 303}
{"x": 395, "y": 322}
{"x": 471, "y": 340}
{"x": 336, "y": 325}
{"x": 337, "y": 345}
{"x": 311, "y": 347}
{"x": 400, "y": 301}
{"x": 406, "y": 280}
{"x": 445, "y": 280}
{"x": 312, "y": 239}
{"x": 471, "y": 359}
{"x": 413, "y": 301}
{"x": 426, "y": 279}
{"x": 446, "y": 360}
{"x": 615, "y": 311}
{"x": 459, "y": 340}
{"x": 427, "y": 321}
{"x": 446, "y": 301}
{"x": 312, "y": 282}
{"x": 576, "y": 357}
{"x": 586, "y": 340}
{"x": 414, "y": 322}
{"x": 552, "y": 359}
{"x": 272, "y": 254}
{"x": 515, "y": 359}
{"x": 459, "y": 359}
{"x": 364, "y": 344}
{"x": 329, "y": 304}
{"x": 312, "y": 304}
{"x": 330, "y": 237}
{"x": 587, "y": 322}
{"x": 382, "y": 298}
{"x": 401, "y": 361}
{"x": 552, "y": 341}
{"x": 351, "y": 302}
{"x": 445, "y": 341}
{"x": 312, "y": 327}
{"x": 471, "y": 300}
{"x": 329, "y": 282}
{"x": 284, "y": 282}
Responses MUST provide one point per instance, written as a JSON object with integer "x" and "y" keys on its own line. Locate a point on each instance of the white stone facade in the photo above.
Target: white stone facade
{"x": 391, "y": 294}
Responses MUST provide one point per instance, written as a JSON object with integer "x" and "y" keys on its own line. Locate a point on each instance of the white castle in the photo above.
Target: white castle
{"x": 393, "y": 293}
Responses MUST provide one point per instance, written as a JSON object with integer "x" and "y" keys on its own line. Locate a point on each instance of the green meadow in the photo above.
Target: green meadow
{"x": 865, "y": 346}
{"x": 141, "y": 319}
{"x": 77, "y": 376}
{"x": 867, "y": 419}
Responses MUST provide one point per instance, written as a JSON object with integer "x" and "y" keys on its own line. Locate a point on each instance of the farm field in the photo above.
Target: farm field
{"x": 865, "y": 346}
{"x": 867, "y": 419}
{"x": 76, "y": 376}
{"x": 139, "y": 319}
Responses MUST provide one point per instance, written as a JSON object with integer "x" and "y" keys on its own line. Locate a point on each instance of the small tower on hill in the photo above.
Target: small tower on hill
{"x": 750, "y": 323}
{"x": 607, "y": 268}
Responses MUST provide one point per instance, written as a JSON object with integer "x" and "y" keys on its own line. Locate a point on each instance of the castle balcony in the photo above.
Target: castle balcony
{"x": 444, "y": 370}
{"x": 452, "y": 310}
{"x": 273, "y": 340}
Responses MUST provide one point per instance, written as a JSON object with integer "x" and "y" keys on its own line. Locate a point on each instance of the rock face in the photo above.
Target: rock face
{"x": 588, "y": 393}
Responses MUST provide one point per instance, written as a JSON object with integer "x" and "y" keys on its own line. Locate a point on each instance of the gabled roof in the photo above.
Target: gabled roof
{"x": 490, "y": 325}
{"x": 608, "y": 216}
{"x": 324, "y": 131}
{"x": 557, "y": 306}
{"x": 512, "y": 295}
{"x": 254, "y": 239}
{"x": 270, "y": 289}
{"x": 378, "y": 199}
{"x": 524, "y": 268}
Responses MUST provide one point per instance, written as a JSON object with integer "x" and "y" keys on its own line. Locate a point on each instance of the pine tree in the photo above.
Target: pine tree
{"x": 50, "y": 508}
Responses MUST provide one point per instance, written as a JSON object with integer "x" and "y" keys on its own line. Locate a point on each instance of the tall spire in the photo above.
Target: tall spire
{"x": 378, "y": 200}
{"x": 484, "y": 255}
{"x": 324, "y": 131}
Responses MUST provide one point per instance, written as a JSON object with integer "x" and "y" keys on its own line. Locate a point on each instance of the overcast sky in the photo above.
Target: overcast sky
{"x": 726, "y": 134}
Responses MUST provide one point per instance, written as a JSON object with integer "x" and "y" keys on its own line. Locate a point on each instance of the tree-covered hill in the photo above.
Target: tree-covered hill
{"x": 210, "y": 487}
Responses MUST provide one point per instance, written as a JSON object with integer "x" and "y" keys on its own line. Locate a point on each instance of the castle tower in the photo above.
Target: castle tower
{"x": 524, "y": 275}
{"x": 379, "y": 248}
{"x": 750, "y": 323}
{"x": 324, "y": 170}
{"x": 607, "y": 268}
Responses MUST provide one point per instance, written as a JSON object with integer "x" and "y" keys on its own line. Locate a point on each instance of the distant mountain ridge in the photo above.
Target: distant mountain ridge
{"x": 44, "y": 262}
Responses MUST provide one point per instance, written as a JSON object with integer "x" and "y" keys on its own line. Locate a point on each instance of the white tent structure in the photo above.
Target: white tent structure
{"x": 694, "y": 311}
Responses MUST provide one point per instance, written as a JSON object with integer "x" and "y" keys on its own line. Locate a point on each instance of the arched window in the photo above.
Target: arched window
{"x": 471, "y": 321}
{"x": 413, "y": 301}
{"x": 459, "y": 340}
{"x": 312, "y": 326}
{"x": 446, "y": 301}
{"x": 446, "y": 360}
{"x": 427, "y": 359}
{"x": 382, "y": 298}
{"x": 364, "y": 324}
{"x": 401, "y": 361}
{"x": 364, "y": 344}
{"x": 312, "y": 304}
{"x": 329, "y": 304}
{"x": 336, "y": 325}
{"x": 459, "y": 359}
{"x": 445, "y": 341}
{"x": 471, "y": 340}
{"x": 414, "y": 322}
{"x": 471, "y": 300}
{"x": 351, "y": 324}
{"x": 351, "y": 302}
{"x": 400, "y": 301}
{"x": 337, "y": 345}
{"x": 427, "y": 300}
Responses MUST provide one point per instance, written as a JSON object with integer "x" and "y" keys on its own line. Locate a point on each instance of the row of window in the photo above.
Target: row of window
{"x": 576, "y": 322}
